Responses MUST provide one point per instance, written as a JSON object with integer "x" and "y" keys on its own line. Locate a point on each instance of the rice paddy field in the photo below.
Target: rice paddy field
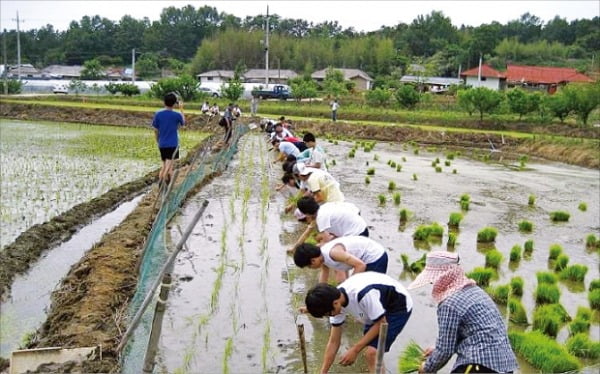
{"x": 234, "y": 304}
{"x": 47, "y": 168}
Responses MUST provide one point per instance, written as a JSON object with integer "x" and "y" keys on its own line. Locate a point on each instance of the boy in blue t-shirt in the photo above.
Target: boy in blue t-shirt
{"x": 165, "y": 123}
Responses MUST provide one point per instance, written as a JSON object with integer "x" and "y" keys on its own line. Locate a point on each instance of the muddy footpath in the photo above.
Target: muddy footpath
{"x": 89, "y": 307}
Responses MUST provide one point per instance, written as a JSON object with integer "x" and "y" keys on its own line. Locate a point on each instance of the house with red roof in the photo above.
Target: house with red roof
{"x": 488, "y": 77}
{"x": 542, "y": 77}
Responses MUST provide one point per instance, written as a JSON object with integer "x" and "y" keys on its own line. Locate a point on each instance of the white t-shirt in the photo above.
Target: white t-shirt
{"x": 288, "y": 148}
{"x": 282, "y": 135}
{"x": 340, "y": 219}
{"x": 320, "y": 180}
{"x": 335, "y": 105}
{"x": 370, "y": 296}
{"x": 365, "y": 249}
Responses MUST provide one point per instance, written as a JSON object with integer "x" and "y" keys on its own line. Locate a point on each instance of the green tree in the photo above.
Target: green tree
{"x": 303, "y": 88}
{"x": 378, "y": 97}
{"x": 522, "y": 102}
{"x": 583, "y": 98}
{"x": 407, "y": 96}
{"x": 147, "y": 66}
{"x": 14, "y": 86}
{"x": 334, "y": 85}
{"x": 77, "y": 86}
{"x": 185, "y": 86}
{"x": 234, "y": 89}
{"x": 481, "y": 99}
{"x": 92, "y": 70}
{"x": 558, "y": 105}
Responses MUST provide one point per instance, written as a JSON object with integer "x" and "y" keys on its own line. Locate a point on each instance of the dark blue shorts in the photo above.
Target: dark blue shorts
{"x": 380, "y": 265}
{"x": 365, "y": 233}
{"x": 166, "y": 153}
{"x": 396, "y": 322}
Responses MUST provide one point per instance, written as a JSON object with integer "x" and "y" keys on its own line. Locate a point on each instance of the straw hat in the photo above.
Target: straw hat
{"x": 436, "y": 264}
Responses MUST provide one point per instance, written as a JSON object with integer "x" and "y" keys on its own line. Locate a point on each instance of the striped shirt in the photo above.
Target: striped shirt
{"x": 471, "y": 326}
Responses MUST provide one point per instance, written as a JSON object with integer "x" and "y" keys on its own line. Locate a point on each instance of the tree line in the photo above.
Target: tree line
{"x": 194, "y": 40}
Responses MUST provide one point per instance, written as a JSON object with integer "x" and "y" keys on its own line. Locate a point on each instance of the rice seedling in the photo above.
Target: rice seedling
{"x": 594, "y": 299}
{"x": 418, "y": 266}
{"x": 367, "y": 180}
{"x": 591, "y": 241}
{"x": 425, "y": 232}
{"x": 482, "y": 276}
{"x": 454, "y": 171}
{"x": 405, "y": 263}
{"x": 499, "y": 293}
{"x": 523, "y": 160}
{"x": 403, "y": 159}
{"x": 382, "y": 199}
{"x": 398, "y": 168}
{"x": 447, "y": 163}
{"x": 465, "y": 200}
{"x": 525, "y": 226}
{"x": 393, "y": 164}
{"x": 561, "y": 262}
{"x": 333, "y": 163}
{"x": 433, "y": 164}
{"x": 371, "y": 171}
{"x": 438, "y": 169}
{"x": 515, "y": 253}
{"x": 581, "y": 345}
{"x": 376, "y": 157}
{"x": 516, "y": 286}
{"x": 582, "y": 206}
{"x": 549, "y": 318}
{"x": 487, "y": 235}
{"x": 450, "y": 156}
{"x": 416, "y": 151}
{"x": 437, "y": 160}
{"x": 404, "y": 214}
{"x": 542, "y": 352}
{"x": 581, "y": 322}
{"x": 454, "y": 219}
{"x": 559, "y": 216}
{"x": 452, "y": 239}
{"x": 555, "y": 251}
{"x": 546, "y": 277}
{"x": 516, "y": 311}
{"x": 227, "y": 354}
{"x": 411, "y": 358}
{"x": 414, "y": 177}
{"x": 531, "y": 201}
{"x": 335, "y": 142}
{"x": 391, "y": 186}
{"x": 595, "y": 284}
{"x": 547, "y": 293}
{"x": 396, "y": 197}
{"x": 352, "y": 153}
{"x": 528, "y": 247}
{"x": 493, "y": 258}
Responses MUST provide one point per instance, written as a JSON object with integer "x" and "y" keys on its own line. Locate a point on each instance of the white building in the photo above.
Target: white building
{"x": 488, "y": 77}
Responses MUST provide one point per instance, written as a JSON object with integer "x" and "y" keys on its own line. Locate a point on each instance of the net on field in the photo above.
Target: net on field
{"x": 155, "y": 253}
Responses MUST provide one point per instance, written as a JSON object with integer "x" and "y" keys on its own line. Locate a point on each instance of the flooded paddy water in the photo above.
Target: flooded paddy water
{"x": 233, "y": 306}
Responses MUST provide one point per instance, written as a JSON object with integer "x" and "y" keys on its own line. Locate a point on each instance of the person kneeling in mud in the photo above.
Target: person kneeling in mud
{"x": 372, "y": 299}
{"x": 166, "y": 122}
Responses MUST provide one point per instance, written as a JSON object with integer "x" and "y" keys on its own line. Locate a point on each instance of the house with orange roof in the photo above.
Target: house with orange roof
{"x": 488, "y": 77}
{"x": 542, "y": 77}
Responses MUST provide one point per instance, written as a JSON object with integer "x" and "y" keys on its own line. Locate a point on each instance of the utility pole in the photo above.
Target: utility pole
{"x": 479, "y": 71}
{"x": 5, "y": 72}
{"x": 267, "y": 52}
{"x": 133, "y": 65}
{"x": 18, "y": 47}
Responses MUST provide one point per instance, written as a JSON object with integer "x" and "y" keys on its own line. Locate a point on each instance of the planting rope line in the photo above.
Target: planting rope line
{"x": 154, "y": 254}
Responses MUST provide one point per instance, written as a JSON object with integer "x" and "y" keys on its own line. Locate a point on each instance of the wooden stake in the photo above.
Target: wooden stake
{"x": 383, "y": 328}
{"x": 302, "y": 346}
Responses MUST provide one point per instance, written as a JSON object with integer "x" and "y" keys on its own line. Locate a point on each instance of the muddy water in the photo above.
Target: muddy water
{"x": 251, "y": 326}
{"x": 25, "y": 309}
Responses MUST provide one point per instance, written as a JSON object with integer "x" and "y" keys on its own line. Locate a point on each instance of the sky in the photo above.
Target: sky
{"x": 362, "y": 15}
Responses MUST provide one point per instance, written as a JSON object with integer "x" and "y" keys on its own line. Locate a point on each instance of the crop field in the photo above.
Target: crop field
{"x": 48, "y": 168}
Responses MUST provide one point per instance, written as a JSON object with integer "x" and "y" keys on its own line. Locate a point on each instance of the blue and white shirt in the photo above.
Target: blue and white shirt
{"x": 370, "y": 296}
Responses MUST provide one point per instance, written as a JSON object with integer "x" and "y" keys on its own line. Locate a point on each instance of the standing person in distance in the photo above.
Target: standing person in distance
{"x": 166, "y": 122}
{"x": 334, "y": 107}
{"x": 469, "y": 322}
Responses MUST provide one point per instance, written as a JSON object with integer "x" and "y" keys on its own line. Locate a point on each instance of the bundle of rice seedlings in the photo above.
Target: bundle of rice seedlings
{"x": 546, "y": 293}
{"x": 548, "y": 319}
{"x": 528, "y": 247}
{"x": 581, "y": 345}
{"x": 398, "y": 168}
{"x": 525, "y": 226}
{"x": 451, "y": 239}
{"x": 594, "y": 299}
{"x": 561, "y": 262}
{"x": 382, "y": 199}
{"x": 515, "y": 253}
{"x": 581, "y": 322}
{"x": 465, "y": 200}
{"x": 438, "y": 169}
{"x": 454, "y": 171}
{"x": 516, "y": 286}
{"x": 371, "y": 171}
{"x": 433, "y": 164}
{"x": 455, "y": 218}
{"x": 559, "y": 216}
{"x": 516, "y": 311}
{"x": 367, "y": 180}
{"x": 391, "y": 186}
{"x": 582, "y": 206}
{"x": 531, "y": 201}
{"x": 405, "y": 263}
{"x": 591, "y": 242}
{"x": 424, "y": 232}
{"x": 450, "y": 156}
{"x": 411, "y": 358}
{"x": 415, "y": 177}
{"x": 487, "y": 235}
{"x": 493, "y": 258}
{"x": 575, "y": 273}
{"x": 555, "y": 251}
{"x": 404, "y": 213}
{"x": 418, "y": 266}
{"x": 482, "y": 276}
{"x": 546, "y": 277}
{"x": 396, "y": 197}
{"x": 447, "y": 163}
{"x": 594, "y": 285}
{"x": 542, "y": 352}
{"x": 499, "y": 293}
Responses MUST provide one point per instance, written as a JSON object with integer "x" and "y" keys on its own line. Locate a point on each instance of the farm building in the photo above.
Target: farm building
{"x": 362, "y": 80}
{"x": 542, "y": 77}
{"x": 431, "y": 84}
{"x": 490, "y": 78}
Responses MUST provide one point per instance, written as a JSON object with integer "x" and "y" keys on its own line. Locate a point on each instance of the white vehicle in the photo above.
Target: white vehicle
{"x": 210, "y": 91}
{"x": 60, "y": 89}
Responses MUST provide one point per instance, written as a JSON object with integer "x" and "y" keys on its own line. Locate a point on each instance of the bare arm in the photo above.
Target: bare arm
{"x": 350, "y": 356}
{"x": 324, "y": 274}
{"x": 319, "y": 196}
{"x": 303, "y": 237}
{"x": 333, "y": 344}
{"x": 156, "y": 135}
{"x": 338, "y": 253}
